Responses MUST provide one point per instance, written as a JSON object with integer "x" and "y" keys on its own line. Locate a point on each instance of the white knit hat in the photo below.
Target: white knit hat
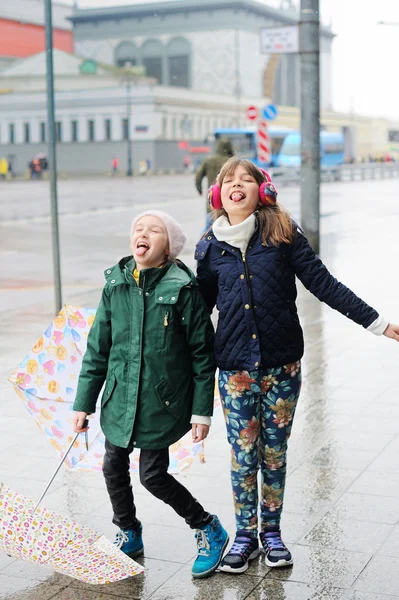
{"x": 176, "y": 235}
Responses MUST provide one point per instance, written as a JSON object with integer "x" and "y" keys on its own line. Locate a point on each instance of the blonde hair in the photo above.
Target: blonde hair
{"x": 275, "y": 222}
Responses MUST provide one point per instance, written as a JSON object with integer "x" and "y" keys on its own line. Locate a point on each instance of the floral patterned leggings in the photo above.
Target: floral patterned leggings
{"x": 259, "y": 408}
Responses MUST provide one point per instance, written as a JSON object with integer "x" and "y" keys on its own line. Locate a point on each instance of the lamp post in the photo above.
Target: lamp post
{"x": 310, "y": 120}
{"x": 51, "y": 137}
{"x": 128, "y": 82}
{"x": 127, "y": 75}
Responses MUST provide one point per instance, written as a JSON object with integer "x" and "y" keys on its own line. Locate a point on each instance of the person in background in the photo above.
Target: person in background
{"x": 115, "y": 165}
{"x": 210, "y": 168}
{"x": 3, "y": 167}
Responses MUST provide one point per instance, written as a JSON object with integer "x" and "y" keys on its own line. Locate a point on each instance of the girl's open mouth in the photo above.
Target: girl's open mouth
{"x": 142, "y": 248}
{"x": 237, "y": 196}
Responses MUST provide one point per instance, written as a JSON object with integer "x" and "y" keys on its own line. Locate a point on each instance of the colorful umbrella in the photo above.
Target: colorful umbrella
{"x": 53, "y": 540}
{"x": 46, "y": 382}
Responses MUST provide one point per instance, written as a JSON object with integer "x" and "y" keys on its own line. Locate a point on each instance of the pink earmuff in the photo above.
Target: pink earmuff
{"x": 267, "y": 193}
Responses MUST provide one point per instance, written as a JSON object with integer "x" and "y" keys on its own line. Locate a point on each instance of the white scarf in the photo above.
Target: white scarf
{"x": 235, "y": 235}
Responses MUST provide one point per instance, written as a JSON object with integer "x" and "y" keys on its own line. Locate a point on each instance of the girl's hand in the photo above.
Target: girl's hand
{"x": 392, "y": 331}
{"x": 78, "y": 421}
{"x": 199, "y": 432}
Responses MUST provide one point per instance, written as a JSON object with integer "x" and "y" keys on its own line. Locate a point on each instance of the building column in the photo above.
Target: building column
{"x": 99, "y": 125}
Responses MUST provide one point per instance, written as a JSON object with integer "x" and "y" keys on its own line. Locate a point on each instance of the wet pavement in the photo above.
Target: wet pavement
{"x": 341, "y": 516}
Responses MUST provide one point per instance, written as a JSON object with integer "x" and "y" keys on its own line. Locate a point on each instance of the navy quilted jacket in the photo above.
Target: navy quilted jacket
{"x": 258, "y": 321}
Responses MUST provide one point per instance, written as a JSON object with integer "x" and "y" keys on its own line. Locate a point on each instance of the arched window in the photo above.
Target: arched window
{"x": 179, "y": 62}
{"x": 126, "y": 52}
{"x": 152, "y": 52}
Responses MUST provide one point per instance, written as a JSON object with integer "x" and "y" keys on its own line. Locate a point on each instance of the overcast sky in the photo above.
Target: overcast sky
{"x": 364, "y": 53}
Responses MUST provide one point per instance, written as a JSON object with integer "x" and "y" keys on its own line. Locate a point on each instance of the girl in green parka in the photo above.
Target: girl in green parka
{"x": 152, "y": 345}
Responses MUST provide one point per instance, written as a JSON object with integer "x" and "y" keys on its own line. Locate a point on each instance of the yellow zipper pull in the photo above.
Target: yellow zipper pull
{"x": 165, "y": 319}
{"x": 243, "y": 256}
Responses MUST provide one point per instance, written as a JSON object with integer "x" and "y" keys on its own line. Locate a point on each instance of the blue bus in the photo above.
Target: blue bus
{"x": 244, "y": 142}
{"x": 332, "y": 150}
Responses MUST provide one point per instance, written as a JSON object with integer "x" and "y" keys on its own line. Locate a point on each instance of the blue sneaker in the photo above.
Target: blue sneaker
{"x": 277, "y": 553}
{"x": 212, "y": 540}
{"x": 130, "y": 541}
{"x": 244, "y": 549}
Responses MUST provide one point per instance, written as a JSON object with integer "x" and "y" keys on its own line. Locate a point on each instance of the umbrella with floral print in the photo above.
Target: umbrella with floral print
{"x": 46, "y": 382}
{"x": 53, "y": 540}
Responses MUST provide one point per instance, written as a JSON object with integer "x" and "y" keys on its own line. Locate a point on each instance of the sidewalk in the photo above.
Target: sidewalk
{"x": 341, "y": 516}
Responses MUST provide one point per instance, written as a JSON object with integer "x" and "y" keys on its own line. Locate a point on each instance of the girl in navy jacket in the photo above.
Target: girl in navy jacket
{"x": 247, "y": 264}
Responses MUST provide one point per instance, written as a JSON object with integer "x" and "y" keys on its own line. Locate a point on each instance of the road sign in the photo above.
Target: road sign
{"x": 279, "y": 40}
{"x": 263, "y": 143}
{"x": 252, "y": 113}
{"x": 270, "y": 112}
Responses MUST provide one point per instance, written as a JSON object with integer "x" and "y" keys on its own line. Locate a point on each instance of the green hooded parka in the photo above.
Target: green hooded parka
{"x": 152, "y": 345}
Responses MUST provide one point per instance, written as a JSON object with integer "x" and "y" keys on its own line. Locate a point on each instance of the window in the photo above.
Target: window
{"x": 182, "y": 127}
{"x": 174, "y": 128}
{"x": 26, "y": 133}
{"x": 178, "y": 71}
{"x": 125, "y": 53}
{"x": 108, "y": 129}
{"x": 42, "y": 132}
{"x": 153, "y": 67}
{"x": 178, "y": 53}
{"x": 91, "y": 129}
{"x": 189, "y": 127}
{"x": 126, "y": 62}
{"x": 11, "y": 133}
{"x": 58, "y": 131}
{"x": 332, "y": 147}
{"x": 74, "y": 131}
{"x": 152, "y": 52}
{"x": 125, "y": 129}
{"x": 164, "y": 126}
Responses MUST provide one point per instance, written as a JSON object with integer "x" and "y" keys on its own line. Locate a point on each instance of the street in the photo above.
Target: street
{"x": 341, "y": 515}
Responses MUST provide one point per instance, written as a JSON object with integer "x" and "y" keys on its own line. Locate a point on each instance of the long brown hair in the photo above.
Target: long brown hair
{"x": 275, "y": 222}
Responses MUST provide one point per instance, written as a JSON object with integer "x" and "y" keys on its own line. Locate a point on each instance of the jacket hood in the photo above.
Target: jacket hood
{"x": 224, "y": 147}
{"x": 176, "y": 275}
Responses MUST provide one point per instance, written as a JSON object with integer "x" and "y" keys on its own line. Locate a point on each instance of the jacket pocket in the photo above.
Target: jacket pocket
{"x": 168, "y": 398}
{"x": 109, "y": 388}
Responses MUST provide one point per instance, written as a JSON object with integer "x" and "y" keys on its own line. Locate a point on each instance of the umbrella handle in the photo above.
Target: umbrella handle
{"x": 85, "y": 424}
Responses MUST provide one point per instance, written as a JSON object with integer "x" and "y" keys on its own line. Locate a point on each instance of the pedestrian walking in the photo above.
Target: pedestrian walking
{"x": 115, "y": 165}
{"x": 210, "y": 169}
{"x": 247, "y": 264}
{"x": 3, "y": 167}
{"x": 152, "y": 342}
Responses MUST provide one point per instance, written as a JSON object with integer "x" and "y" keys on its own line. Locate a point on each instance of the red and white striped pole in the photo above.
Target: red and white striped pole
{"x": 263, "y": 143}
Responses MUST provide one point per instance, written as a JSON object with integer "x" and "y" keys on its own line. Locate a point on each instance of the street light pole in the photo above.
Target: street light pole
{"x": 237, "y": 75}
{"x": 129, "y": 170}
{"x": 51, "y": 142}
{"x": 309, "y": 40}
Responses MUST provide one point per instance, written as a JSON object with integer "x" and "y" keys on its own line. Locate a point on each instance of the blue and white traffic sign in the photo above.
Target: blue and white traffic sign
{"x": 270, "y": 112}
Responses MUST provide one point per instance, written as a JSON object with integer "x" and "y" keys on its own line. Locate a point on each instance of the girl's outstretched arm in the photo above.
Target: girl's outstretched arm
{"x": 315, "y": 276}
